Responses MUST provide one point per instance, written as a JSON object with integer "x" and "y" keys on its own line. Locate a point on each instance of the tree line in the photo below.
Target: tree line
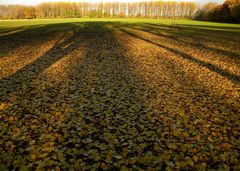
{"x": 148, "y": 9}
{"x": 229, "y": 11}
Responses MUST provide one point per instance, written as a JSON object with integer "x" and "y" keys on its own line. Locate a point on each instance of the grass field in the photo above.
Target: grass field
{"x": 119, "y": 94}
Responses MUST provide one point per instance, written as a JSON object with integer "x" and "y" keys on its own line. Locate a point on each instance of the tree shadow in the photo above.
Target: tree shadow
{"x": 100, "y": 110}
{"x": 201, "y": 28}
{"x": 224, "y": 73}
{"x": 30, "y": 71}
{"x": 8, "y": 31}
{"x": 224, "y": 29}
{"x": 15, "y": 38}
{"x": 198, "y": 33}
{"x": 175, "y": 37}
{"x": 104, "y": 98}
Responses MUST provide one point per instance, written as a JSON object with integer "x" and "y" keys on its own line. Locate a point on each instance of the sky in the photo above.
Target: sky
{"x": 34, "y": 2}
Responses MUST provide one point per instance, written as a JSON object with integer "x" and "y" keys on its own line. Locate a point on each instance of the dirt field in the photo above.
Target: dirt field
{"x": 120, "y": 96}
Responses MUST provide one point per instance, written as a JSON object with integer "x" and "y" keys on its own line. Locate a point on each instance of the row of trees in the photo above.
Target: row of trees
{"x": 229, "y": 11}
{"x": 148, "y": 9}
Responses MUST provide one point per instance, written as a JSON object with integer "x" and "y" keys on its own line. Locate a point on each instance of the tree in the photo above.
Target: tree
{"x": 147, "y": 9}
{"x": 229, "y": 11}
{"x": 235, "y": 9}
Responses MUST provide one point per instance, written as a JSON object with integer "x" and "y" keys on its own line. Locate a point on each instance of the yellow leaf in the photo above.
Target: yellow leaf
{"x": 195, "y": 158}
{"x": 181, "y": 113}
{"x": 104, "y": 166}
{"x": 57, "y": 168}
{"x": 226, "y": 146}
{"x": 4, "y": 106}
{"x": 210, "y": 139}
{"x": 124, "y": 168}
{"x": 198, "y": 137}
{"x": 124, "y": 152}
{"x": 33, "y": 157}
{"x": 11, "y": 119}
{"x": 109, "y": 157}
{"x": 142, "y": 145}
{"x": 185, "y": 134}
{"x": 16, "y": 130}
{"x": 190, "y": 163}
{"x": 172, "y": 146}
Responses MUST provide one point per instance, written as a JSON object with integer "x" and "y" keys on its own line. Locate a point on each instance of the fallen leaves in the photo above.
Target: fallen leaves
{"x": 33, "y": 157}
{"x": 107, "y": 104}
{"x": 4, "y": 106}
{"x": 172, "y": 146}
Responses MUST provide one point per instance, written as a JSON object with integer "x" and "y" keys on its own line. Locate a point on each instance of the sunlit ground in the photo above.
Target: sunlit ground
{"x": 119, "y": 94}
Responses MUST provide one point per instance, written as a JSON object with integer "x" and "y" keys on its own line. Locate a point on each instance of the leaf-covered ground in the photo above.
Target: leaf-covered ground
{"x": 120, "y": 96}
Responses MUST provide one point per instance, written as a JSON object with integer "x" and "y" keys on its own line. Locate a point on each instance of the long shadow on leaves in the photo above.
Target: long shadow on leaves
{"x": 106, "y": 101}
{"x": 183, "y": 55}
{"x": 198, "y": 33}
{"x": 154, "y": 31}
{"x": 14, "y": 38}
{"x": 32, "y": 70}
{"x": 107, "y": 121}
{"x": 222, "y": 30}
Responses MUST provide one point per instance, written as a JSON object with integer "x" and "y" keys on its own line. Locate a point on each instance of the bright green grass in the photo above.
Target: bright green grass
{"x": 14, "y": 26}
{"x": 17, "y": 23}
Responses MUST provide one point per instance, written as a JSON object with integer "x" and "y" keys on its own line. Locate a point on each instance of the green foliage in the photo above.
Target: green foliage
{"x": 95, "y": 14}
{"x": 199, "y": 15}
